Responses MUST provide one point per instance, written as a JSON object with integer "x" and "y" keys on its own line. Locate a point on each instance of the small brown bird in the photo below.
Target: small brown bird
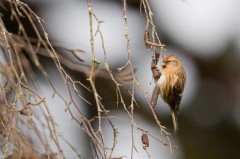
{"x": 171, "y": 84}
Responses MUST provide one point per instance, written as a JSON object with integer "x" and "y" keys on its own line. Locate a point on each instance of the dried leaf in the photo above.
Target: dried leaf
{"x": 145, "y": 141}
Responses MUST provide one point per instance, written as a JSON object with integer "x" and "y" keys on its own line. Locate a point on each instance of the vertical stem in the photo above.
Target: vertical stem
{"x": 91, "y": 76}
{"x": 91, "y": 39}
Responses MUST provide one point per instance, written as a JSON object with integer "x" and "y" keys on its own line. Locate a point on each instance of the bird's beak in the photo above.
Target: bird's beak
{"x": 164, "y": 64}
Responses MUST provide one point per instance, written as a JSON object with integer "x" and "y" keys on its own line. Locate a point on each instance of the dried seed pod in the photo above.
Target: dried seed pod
{"x": 145, "y": 141}
{"x": 156, "y": 74}
{"x": 156, "y": 56}
{"x": 146, "y": 40}
{"x": 25, "y": 111}
{"x": 155, "y": 71}
{"x": 155, "y": 95}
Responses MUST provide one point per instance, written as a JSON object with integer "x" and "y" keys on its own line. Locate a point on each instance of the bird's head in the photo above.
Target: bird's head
{"x": 170, "y": 61}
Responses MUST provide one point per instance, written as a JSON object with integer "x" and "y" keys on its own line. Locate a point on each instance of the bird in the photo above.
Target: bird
{"x": 171, "y": 84}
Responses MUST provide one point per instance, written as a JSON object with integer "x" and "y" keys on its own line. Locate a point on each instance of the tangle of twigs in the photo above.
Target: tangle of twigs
{"x": 18, "y": 97}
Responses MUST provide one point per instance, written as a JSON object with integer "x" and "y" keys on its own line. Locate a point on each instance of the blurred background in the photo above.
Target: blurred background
{"x": 205, "y": 35}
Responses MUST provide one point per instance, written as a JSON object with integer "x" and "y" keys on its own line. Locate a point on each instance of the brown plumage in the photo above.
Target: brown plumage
{"x": 171, "y": 84}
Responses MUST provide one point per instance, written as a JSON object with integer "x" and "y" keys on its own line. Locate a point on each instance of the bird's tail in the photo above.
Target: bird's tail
{"x": 174, "y": 119}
